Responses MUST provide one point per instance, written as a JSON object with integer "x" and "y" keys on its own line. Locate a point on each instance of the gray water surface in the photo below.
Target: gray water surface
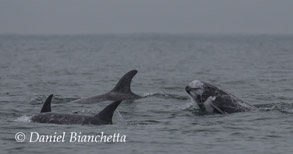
{"x": 256, "y": 68}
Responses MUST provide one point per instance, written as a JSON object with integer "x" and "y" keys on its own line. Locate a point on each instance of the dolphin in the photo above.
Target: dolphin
{"x": 211, "y": 99}
{"x": 102, "y": 118}
{"x": 121, "y": 91}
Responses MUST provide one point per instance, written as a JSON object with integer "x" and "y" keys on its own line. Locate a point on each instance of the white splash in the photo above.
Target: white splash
{"x": 193, "y": 103}
{"x": 149, "y": 94}
{"x": 118, "y": 118}
{"x": 24, "y": 118}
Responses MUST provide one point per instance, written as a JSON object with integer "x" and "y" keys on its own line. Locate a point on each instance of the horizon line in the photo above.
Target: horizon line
{"x": 137, "y": 33}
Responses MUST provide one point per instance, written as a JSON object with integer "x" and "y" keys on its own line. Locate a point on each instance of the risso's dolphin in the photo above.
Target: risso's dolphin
{"x": 211, "y": 99}
{"x": 102, "y": 118}
{"x": 121, "y": 91}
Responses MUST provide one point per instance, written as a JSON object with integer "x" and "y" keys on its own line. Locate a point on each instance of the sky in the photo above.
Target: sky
{"x": 146, "y": 16}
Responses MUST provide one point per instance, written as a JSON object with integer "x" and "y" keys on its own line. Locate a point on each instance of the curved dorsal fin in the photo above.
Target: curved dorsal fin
{"x": 47, "y": 105}
{"x": 107, "y": 113}
{"x": 124, "y": 83}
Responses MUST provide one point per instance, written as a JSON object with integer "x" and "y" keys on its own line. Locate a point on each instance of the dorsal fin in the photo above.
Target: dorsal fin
{"x": 47, "y": 105}
{"x": 107, "y": 113}
{"x": 124, "y": 83}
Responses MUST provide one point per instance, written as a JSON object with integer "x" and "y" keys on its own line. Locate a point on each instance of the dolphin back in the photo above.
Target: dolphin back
{"x": 121, "y": 91}
{"x": 102, "y": 118}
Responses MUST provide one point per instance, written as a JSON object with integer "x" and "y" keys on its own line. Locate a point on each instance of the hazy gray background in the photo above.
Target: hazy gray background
{"x": 146, "y": 16}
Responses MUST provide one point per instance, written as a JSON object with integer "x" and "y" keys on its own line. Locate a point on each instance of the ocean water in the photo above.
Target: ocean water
{"x": 256, "y": 68}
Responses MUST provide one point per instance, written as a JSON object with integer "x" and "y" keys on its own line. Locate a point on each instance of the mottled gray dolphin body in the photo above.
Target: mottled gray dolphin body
{"x": 102, "y": 118}
{"x": 214, "y": 100}
{"x": 121, "y": 91}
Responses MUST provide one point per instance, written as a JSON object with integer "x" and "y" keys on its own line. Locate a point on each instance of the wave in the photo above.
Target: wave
{"x": 286, "y": 108}
{"x": 166, "y": 96}
{"x": 281, "y": 107}
{"x": 57, "y": 99}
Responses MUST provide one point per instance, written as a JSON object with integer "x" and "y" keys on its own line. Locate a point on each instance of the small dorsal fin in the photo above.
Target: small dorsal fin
{"x": 47, "y": 105}
{"x": 123, "y": 84}
{"x": 107, "y": 113}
